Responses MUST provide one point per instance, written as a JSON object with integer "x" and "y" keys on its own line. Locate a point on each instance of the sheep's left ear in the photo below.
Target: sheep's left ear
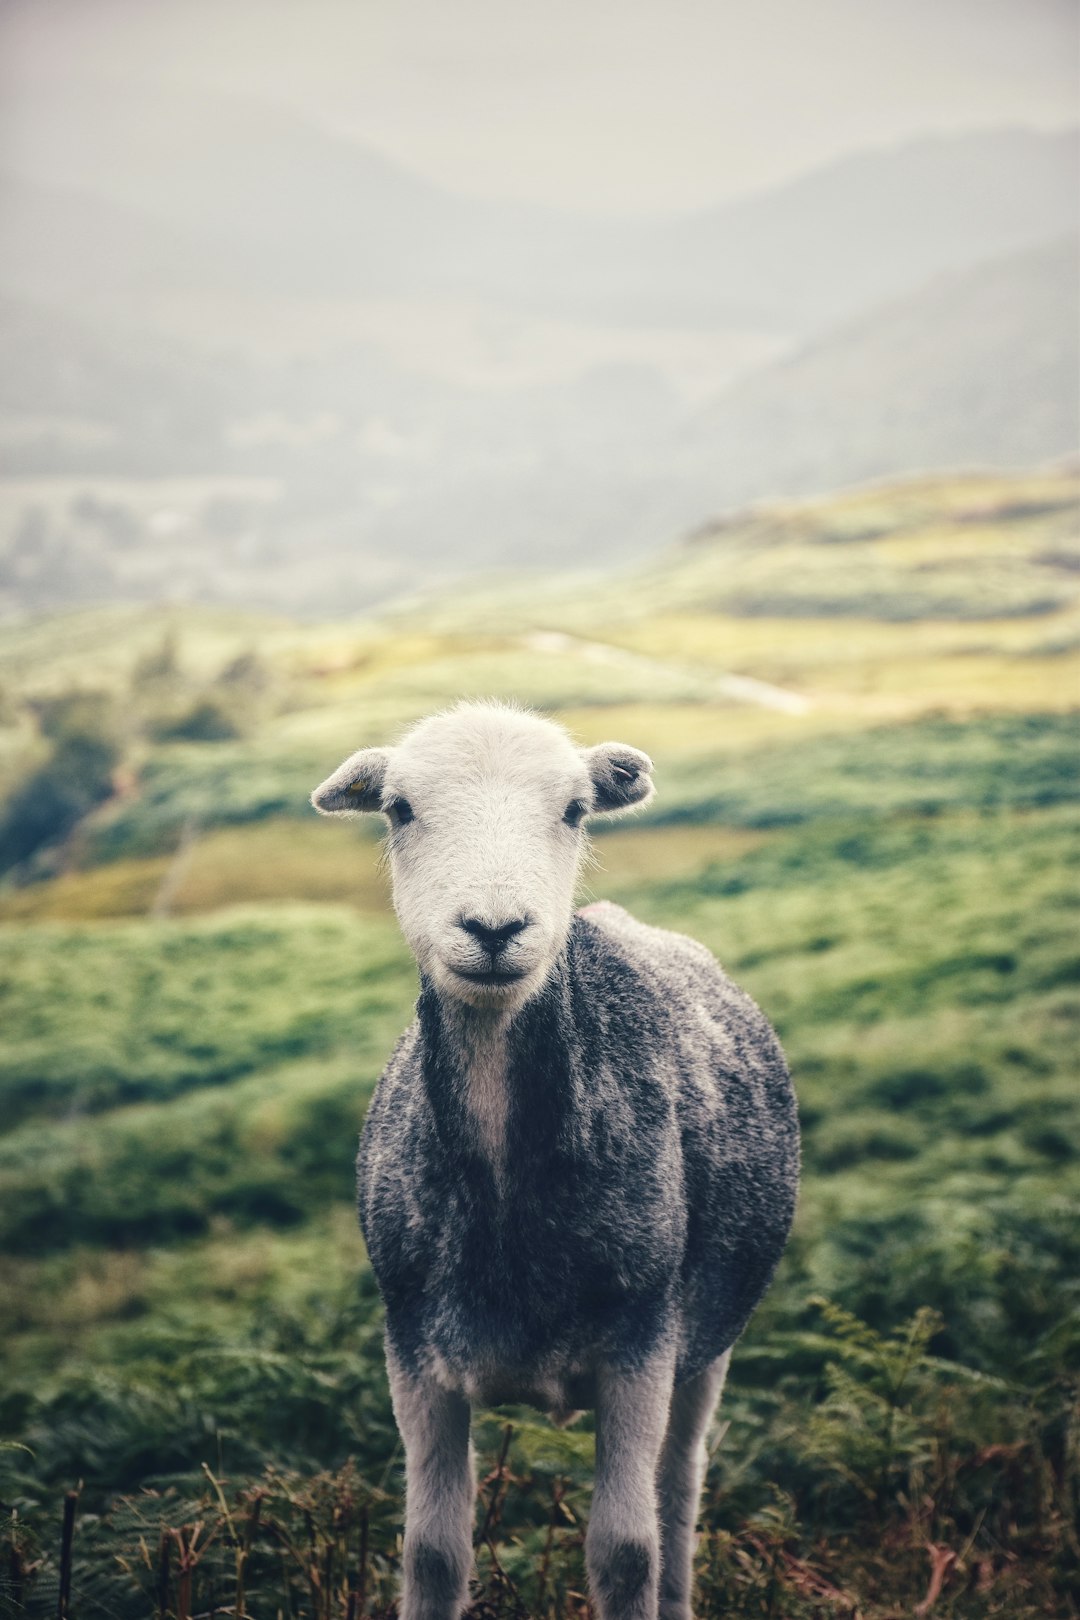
{"x": 355, "y": 786}
{"x": 620, "y": 777}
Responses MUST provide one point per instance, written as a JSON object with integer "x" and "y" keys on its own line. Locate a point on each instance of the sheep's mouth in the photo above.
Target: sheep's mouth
{"x": 492, "y": 976}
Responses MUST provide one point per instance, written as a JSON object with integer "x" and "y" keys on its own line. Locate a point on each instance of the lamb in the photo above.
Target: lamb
{"x": 579, "y": 1167}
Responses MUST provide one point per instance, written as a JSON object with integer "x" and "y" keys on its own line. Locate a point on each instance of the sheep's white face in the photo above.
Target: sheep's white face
{"x": 486, "y": 807}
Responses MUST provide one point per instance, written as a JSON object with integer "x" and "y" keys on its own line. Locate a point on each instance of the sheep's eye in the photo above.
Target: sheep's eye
{"x": 400, "y": 811}
{"x": 575, "y": 812}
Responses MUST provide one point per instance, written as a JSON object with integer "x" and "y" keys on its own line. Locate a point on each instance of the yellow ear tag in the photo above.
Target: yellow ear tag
{"x": 359, "y": 786}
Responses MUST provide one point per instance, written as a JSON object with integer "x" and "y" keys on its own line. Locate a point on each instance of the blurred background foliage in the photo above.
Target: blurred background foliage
{"x": 863, "y": 716}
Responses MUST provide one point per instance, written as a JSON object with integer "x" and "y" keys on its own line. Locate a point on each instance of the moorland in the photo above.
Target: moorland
{"x": 863, "y": 714}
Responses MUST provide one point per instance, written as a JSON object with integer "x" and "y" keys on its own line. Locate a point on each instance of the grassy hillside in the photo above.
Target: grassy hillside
{"x": 863, "y": 717}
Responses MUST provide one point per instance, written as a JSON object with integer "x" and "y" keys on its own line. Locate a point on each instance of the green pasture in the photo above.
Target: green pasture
{"x": 200, "y": 981}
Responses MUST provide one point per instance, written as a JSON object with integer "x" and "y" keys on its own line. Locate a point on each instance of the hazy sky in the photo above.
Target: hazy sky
{"x": 626, "y": 105}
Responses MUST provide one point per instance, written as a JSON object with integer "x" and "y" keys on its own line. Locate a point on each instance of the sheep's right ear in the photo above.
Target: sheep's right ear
{"x": 621, "y": 777}
{"x": 355, "y": 786}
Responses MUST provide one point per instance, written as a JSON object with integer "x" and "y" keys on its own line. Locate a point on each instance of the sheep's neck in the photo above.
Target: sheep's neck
{"x": 494, "y": 1077}
{"x": 481, "y": 1049}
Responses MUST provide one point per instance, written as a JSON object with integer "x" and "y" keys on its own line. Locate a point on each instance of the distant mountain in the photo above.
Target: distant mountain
{"x": 880, "y": 223}
{"x": 67, "y": 246}
{"x": 381, "y": 479}
{"x": 258, "y": 188}
{"x": 148, "y": 406}
{"x": 980, "y": 368}
{"x": 216, "y": 193}
{"x": 925, "y": 298}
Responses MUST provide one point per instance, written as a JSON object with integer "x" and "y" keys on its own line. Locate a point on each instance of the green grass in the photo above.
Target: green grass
{"x": 106, "y": 1016}
{"x": 894, "y": 875}
{"x": 928, "y": 766}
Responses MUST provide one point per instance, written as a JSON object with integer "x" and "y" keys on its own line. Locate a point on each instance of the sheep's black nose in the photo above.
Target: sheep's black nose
{"x": 493, "y": 939}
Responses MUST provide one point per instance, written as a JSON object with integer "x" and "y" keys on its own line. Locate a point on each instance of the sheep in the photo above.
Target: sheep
{"x": 579, "y": 1167}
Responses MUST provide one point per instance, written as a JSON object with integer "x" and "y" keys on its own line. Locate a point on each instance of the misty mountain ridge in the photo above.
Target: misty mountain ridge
{"x": 258, "y": 198}
{"x": 975, "y": 370}
{"x": 981, "y": 367}
{"x": 921, "y": 301}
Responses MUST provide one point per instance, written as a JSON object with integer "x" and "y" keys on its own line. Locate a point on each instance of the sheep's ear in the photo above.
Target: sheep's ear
{"x": 355, "y": 786}
{"x": 620, "y": 777}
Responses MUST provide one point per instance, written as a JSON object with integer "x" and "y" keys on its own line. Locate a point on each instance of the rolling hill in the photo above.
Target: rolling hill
{"x": 200, "y": 980}
{"x": 979, "y": 368}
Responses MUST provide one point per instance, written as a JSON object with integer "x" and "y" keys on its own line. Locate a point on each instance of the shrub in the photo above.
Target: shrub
{"x": 76, "y": 777}
{"x": 207, "y": 720}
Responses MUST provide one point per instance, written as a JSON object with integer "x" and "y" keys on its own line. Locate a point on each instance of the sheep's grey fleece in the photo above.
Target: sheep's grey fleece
{"x": 653, "y": 1145}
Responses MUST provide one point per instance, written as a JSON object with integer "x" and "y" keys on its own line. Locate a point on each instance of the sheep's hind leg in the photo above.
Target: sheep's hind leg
{"x": 622, "y": 1547}
{"x": 440, "y": 1491}
{"x": 681, "y": 1474}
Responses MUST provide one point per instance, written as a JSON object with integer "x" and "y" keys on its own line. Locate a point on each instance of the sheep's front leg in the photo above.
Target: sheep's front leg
{"x": 440, "y": 1489}
{"x": 622, "y": 1547}
{"x": 682, "y": 1471}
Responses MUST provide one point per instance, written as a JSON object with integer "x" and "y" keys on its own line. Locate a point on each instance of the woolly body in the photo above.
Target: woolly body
{"x": 650, "y": 1126}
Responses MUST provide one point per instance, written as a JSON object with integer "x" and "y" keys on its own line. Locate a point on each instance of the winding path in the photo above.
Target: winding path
{"x": 718, "y": 683}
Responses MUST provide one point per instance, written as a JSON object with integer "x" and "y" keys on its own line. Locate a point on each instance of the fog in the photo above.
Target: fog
{"x": 307, "y": 306}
